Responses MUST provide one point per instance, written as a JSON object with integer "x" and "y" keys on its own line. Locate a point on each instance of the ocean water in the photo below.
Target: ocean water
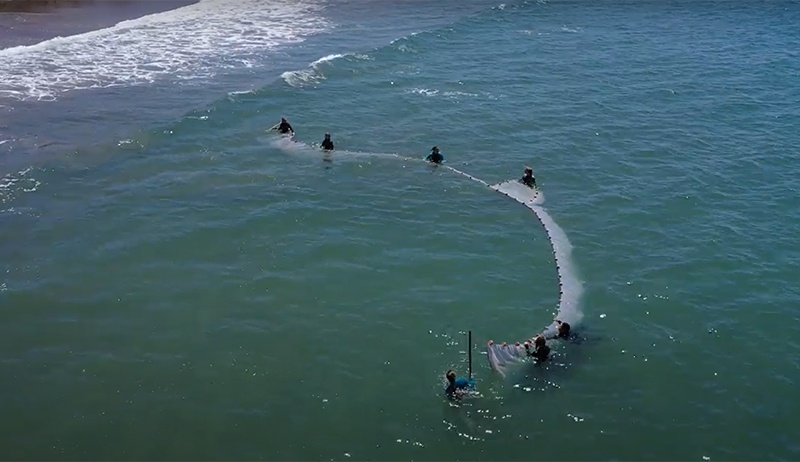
{"x": 178, "y": 283}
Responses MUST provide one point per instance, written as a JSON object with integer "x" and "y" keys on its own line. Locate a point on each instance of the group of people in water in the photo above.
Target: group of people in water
{"x": 535, "y": 348}
{"x": 285, "y": 128}
{"x": 435, "y": 157}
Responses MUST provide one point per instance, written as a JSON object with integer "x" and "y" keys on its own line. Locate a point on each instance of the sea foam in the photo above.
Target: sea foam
{"x": 192, "y": 42}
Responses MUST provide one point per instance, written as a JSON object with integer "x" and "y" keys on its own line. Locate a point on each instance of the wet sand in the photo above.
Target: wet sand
{"x": 26, "y": 22}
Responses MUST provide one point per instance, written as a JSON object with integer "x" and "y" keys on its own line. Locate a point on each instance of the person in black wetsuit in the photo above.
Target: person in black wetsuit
{"x": 528, "y": 179}
{"x": 540, "y": 350}
{"x": 563, "y": 329}
{"x": 284, "y": 127}
{"x": 564, "y": 332}
{"x": 435, "y": 156}
{"x": 327, "y": 144}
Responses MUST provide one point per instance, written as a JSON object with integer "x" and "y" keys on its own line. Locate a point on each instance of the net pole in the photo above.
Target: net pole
{"x": 469, "y": 352}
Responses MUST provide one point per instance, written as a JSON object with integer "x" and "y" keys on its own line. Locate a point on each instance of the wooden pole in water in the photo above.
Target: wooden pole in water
{"x": 469, "y": 350}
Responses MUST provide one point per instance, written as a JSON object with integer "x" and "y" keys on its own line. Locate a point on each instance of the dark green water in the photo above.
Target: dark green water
{"x": 179, "y": 284}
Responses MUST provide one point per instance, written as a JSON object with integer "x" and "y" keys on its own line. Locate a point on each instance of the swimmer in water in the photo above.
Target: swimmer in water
{"x": 283, "y": 126}
{"x": 327, "y": 144}
{"x": 456, "y": 386}
{"x": 563, "y": 329}
{"x": 435, "y": 156}
{"x": 527, "y": 178}
{"x": 540, "y": 350}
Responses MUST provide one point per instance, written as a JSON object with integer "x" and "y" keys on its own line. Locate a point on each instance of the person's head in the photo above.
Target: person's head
{"x": 563, "y": 329}
{"x": 283, "y": 119}
{"x": 539, "y": 341}
{"x": 451, "y": 376}
{"x": 327, "y": 136}
{"x": 435, "y": 149}
{"x": 528, "y": 171}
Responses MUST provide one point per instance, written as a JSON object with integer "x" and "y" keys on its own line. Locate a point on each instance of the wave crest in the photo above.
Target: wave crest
{"x": 315, "y": 72}
{"x": 187, "y": 43}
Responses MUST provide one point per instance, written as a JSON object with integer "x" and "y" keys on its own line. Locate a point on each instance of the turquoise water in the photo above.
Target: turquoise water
{"x": 180, "y": 284}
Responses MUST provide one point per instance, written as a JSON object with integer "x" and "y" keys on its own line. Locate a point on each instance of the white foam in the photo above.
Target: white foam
{"x": 457, "y": 94}
{"x": 424, "y": 91}
{"x": 309, "y": 76}
{"x": 315, "y": 72}
{"x": 187, "y": 43}
{"x": 287, "y": 144}
{"x": 295, "y": 148}
{"x": 14, "y": 183}
{"x": 452, "y": 95}
{"x": 402, "y": 39}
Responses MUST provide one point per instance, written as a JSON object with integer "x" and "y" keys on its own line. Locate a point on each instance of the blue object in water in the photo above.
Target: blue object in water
{"x": 461, "y": 385}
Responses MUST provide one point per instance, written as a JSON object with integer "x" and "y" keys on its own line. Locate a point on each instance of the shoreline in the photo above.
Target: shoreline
{"x": 37, "y": 6}
{"x": 31, "y": 6}
{"x": 28, "y": 22}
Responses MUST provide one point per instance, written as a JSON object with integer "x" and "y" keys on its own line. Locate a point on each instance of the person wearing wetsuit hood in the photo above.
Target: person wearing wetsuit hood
{"x": 435, "y": 156}
{"x": 327, "y": 144}
{"x": 563, "y": 329}
{"x": 528, "y": 179}
{"x": 540, "y": 350}
{"x": 456, "y": 386}
{"x": 284, "y": 127}
{"x": 564, "y": 332}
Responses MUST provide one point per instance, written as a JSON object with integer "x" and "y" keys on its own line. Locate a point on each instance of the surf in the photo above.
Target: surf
{"x": 316, "y": 71}
{"x": 188, "y": 43}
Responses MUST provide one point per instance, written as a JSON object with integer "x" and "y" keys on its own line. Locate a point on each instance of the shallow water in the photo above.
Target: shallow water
{"x": 180, "y": 284}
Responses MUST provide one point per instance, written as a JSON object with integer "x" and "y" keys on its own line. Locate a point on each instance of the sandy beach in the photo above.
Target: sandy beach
{"x": 26, "y": 6}
{"x": 26, "y": 22}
